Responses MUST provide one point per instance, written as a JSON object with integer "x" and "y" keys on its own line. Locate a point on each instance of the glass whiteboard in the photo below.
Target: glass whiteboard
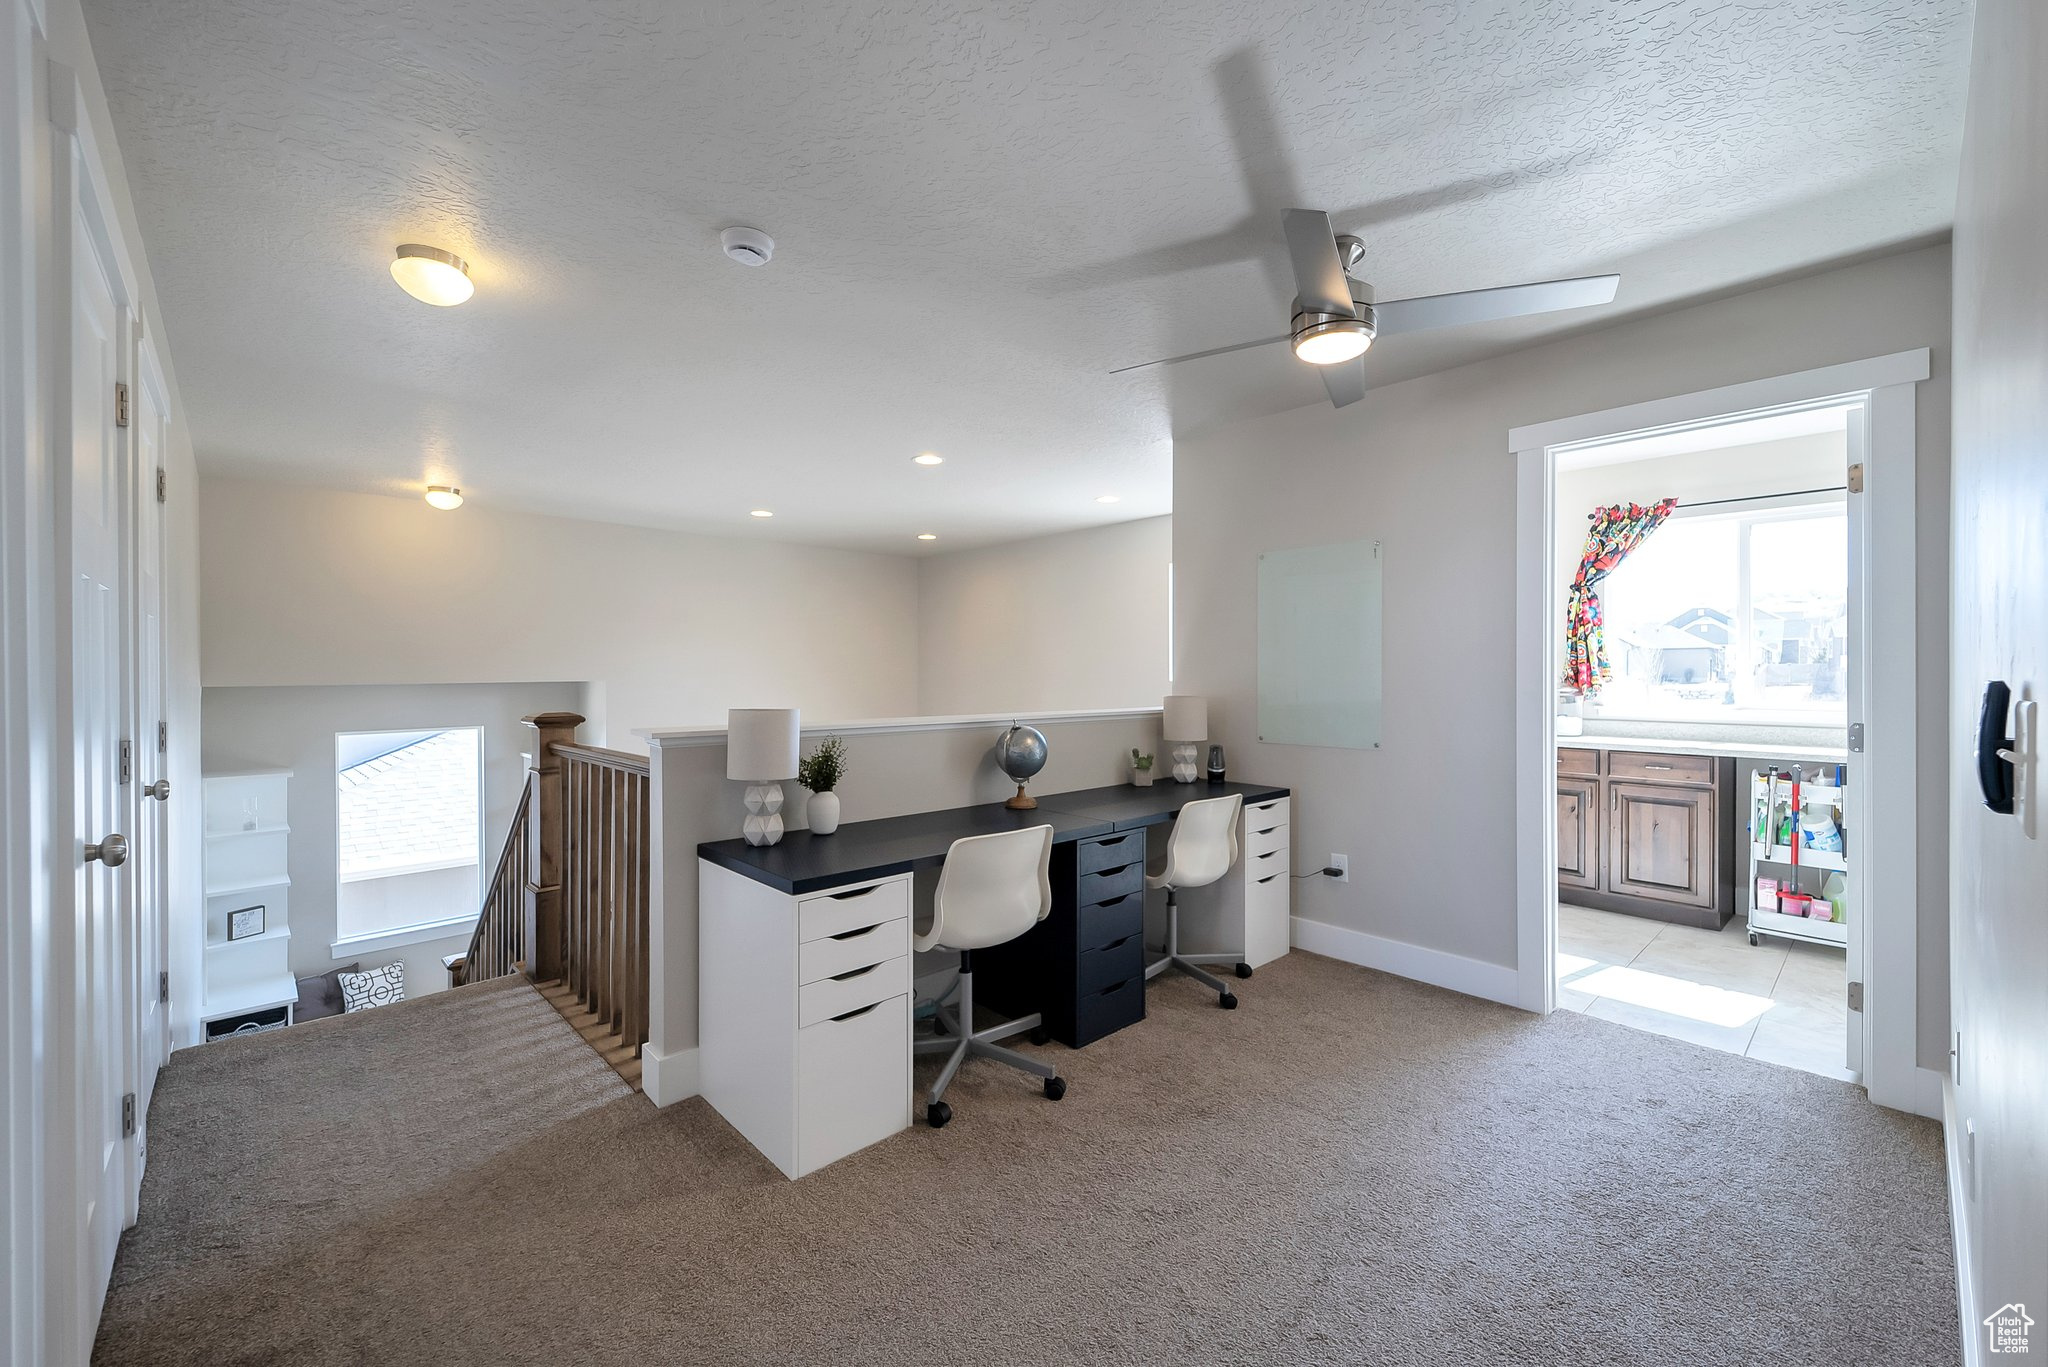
{"x": 1319, "y": 646}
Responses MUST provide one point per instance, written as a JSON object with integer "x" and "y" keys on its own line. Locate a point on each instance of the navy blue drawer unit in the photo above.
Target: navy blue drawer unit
{"x": 1083, "y": 966}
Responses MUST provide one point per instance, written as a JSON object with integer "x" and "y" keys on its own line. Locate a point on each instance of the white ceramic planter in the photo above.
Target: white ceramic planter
{"x": 822, "y": 815}
{"x": 1141, "y": 778}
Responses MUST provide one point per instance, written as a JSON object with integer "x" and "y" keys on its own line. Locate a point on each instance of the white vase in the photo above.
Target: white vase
{"x": 1141, "y": 778}
{"x": 822, "y": 815}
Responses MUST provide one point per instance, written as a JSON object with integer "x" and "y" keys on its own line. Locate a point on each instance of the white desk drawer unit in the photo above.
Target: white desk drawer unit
{"x": 1251, "y": 909}
{"x": 804, "y": 1014}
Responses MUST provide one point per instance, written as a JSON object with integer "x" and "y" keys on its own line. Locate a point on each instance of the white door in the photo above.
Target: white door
{"x": 150, "y": 426}
{"x": 96, "y": 1016}
{"x": 1856, "y": 801}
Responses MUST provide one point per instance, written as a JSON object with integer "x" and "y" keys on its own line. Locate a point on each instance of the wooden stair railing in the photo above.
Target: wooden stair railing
{"x": 568, "y": 902}
{"x": 497, "y": 948}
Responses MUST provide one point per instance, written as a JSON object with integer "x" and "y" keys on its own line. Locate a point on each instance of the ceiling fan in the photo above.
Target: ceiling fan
{"x": 1336, "y": 319}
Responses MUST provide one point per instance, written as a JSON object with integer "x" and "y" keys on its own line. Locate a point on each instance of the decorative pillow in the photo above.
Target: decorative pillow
{"x": 378, "y": 987}
{"x": 320, "y": 995}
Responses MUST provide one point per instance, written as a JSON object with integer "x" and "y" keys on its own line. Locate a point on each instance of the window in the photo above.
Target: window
{"x": 408, "y": 848}
{"x": 1737, "y": 616}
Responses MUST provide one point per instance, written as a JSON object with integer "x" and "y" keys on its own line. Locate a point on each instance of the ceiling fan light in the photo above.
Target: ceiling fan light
{"x": 1326, "y": 339}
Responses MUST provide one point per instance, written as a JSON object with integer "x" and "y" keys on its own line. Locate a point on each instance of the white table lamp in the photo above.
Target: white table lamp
{"x": 761, "y": 751}
{"x": 1186, "y": 725}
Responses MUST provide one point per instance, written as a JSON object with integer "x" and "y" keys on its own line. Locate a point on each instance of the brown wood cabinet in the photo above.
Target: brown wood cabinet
{"x": 1648, "y": 834}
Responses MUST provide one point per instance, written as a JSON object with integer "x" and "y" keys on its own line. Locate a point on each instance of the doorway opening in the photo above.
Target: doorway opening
{"x": 1716, "y": 794}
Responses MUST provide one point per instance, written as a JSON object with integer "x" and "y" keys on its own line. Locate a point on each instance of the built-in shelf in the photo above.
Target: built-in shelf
{"x": 243, "y": 998}
{"x": 239, "y": 835}
{"x": 253, "y": 885}
{"x": 270, "y": 936}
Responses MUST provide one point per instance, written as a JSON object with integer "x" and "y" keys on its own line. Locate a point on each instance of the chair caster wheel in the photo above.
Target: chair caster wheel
{"x": 1244, "y": 970}
{"x": 937, "y": 1114}
{"x": 1055, "y": 1088}
{"x": 1041, "y": 1035}
{"x": 1228, "y": 1001}
{"x": 1755, "y": 939}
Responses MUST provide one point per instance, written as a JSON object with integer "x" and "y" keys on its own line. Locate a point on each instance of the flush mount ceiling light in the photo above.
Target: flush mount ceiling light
{"x": 1330, "y": 338}
{"x": 431, "y": 275}
{"x": 445, "y": 497}
{"x": 1106, "y": 498}
{"x": 761, "y": 512}
{"x": 748, "y": 246}
{"x": 927, "y": 536}
{"x": 929, "y": 458}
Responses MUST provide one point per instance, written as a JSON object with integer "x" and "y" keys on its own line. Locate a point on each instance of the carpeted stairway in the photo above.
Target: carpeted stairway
{"x": 1351, "y": 1168}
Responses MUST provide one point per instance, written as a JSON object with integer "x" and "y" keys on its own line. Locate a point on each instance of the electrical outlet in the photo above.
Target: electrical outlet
{"x": 1342, "y": 864}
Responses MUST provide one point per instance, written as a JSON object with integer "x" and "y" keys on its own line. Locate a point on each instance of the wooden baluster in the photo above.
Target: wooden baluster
{"x": 639, "y": 965}
{"x": 543, "y": 909}
{"x": 622, "y": 798}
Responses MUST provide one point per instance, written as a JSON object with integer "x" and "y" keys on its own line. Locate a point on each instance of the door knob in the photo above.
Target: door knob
{"x": 113, "y": 851}
{"x": 160, "y": 790}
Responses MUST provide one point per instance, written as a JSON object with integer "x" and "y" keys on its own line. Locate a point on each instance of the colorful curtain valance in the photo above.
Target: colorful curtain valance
{"x": 1613, "y": 534}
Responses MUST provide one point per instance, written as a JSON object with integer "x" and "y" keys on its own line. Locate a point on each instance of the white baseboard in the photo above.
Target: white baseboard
{"x": 1959, "y": 1223}
{"x": 1474, "y": 978}
{"x": 669, "y": 1078}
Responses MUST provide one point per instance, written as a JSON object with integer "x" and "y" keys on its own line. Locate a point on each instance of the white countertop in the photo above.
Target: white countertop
{"x": 1818, "y": 754}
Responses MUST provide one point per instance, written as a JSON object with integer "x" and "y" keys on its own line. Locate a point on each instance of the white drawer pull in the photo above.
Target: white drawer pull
{"x": 857, "y": 892}
{"x": 1269, "y": 878}
{"x": 853, "y": 973}
{"x": 857, "y": 1011}
{"x": 856, "y": 934}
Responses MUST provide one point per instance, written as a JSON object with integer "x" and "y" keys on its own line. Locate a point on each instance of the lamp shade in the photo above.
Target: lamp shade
{"x": 1187, "y": 718}
{"x": 761, "y": 744}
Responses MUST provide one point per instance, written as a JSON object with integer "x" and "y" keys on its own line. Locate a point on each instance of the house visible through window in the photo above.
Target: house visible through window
{"x": 409, "y": 849}
{"x": 1734, "y": 616}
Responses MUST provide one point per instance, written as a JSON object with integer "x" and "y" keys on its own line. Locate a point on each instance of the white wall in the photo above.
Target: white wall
{"x": 311, "y": 586}
{"x": 1055, "y": 623}
{"x": 2000, "y": 891}
{"x": 38, "y": 845}
{"x": 294, "y": 728}
{"x": 1429, "y": 818}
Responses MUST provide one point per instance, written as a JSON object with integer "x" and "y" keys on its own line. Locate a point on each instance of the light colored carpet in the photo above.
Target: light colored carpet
{"x": 1351, "y": 1168}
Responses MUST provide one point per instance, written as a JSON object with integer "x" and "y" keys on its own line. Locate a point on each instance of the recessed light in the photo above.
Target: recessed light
{"x": 444, "y": 497}
{"x": 929, "y": 458}
{"x": 431, "y": 275}
{"x": 927, "y": 536}
{"x": 760, "y": 512}
{"x": 1105, "y": 498}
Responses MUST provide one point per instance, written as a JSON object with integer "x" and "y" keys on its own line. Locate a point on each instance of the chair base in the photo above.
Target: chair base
{"x": 962, "y": 1043}
{"x": 1190, "y": 964}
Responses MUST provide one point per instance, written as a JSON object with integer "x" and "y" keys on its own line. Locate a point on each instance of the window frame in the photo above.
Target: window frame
{"x": 417, "y": 932}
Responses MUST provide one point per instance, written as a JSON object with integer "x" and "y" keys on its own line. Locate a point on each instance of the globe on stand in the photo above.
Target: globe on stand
{"x": 1020, "y": 753}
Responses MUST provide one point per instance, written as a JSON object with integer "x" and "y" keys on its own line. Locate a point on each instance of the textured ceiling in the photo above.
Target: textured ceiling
{"x": 979, "y": 210}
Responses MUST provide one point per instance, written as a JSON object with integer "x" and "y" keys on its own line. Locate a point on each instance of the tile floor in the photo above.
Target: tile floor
{"x": 1780, "y": 1001}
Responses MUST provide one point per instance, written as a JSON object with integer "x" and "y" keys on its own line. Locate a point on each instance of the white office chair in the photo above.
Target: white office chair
{"x": 1202, "y": 849}
{"x": 993, "y": 888}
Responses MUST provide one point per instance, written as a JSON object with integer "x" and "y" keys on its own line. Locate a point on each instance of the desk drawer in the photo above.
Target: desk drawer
{"x": 1258, "y": 842}
{"x": 1110, "y": 965}
{"x": 834, "y": 955}
{"x": 1260, "y": 866}
{"x": 1273, "y": 812}
{"x": 1106, "y": 885}
{"x": 1110, "y": 851}
{"x": 835, "y": 913}
{"x": 852, "y": 1082}
{"x": 1648, "y": 768}
{"x": 1108, "y": 1009}
{"x": 1266, "y": 890}
{"x": 1578, "y": 763}
{"x": 829, "y": 997}
{"x": 1097, "y": 925}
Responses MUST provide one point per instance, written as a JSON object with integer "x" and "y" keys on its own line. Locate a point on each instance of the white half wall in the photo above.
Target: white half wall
{"x": 1999, "y": 1108}
{"x": 313, "y": 586}
{"x": 1055, "y": 623}
{"x": 1429, "y": 818}
{"x": 294, "y": 728}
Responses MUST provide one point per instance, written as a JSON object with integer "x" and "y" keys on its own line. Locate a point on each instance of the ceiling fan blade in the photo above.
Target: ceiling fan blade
{"x": 1198, "y": 355}
{"x": 1485, "y": 306}
{"x": 1345, "y": 381}
{"x": 1318, "y": 270}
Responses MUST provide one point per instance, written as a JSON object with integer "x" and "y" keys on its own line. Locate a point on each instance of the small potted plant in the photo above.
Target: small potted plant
{"x": 1141, "y": 770}
{"x": 820, "y": 771}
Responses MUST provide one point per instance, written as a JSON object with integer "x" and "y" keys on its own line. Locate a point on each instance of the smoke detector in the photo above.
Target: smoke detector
{"x": 748, "y": 246}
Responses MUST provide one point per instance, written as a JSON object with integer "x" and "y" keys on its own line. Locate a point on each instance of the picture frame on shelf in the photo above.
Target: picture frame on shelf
{"x": 245, "y": 923}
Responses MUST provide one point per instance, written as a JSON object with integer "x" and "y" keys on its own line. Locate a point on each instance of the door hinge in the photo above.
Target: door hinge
{"x": 163, "y": 484}
{"x": 127, "y": 762}
{"x": 127, "y": 1115}
{"x": 1856, "y": 478}
{"x": 120, "y": 404}
{"x": 163, "y": 737}
{"x": 163, "y": 987}
{"x": 1855, "y": 996}
{"x": 1855, "y": 737}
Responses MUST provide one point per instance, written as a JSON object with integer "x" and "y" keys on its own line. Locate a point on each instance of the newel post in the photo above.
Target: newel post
{"x": 545, "y": 828}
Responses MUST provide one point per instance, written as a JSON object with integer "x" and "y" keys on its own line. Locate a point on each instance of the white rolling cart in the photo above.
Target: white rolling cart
{"x": 1780, "y": 823}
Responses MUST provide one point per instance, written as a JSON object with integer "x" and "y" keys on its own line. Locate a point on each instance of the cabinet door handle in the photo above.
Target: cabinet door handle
{"x": 857, "y": 1011}
{"x": 1657, "y": 766}
{"x": 857, "y": 892}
